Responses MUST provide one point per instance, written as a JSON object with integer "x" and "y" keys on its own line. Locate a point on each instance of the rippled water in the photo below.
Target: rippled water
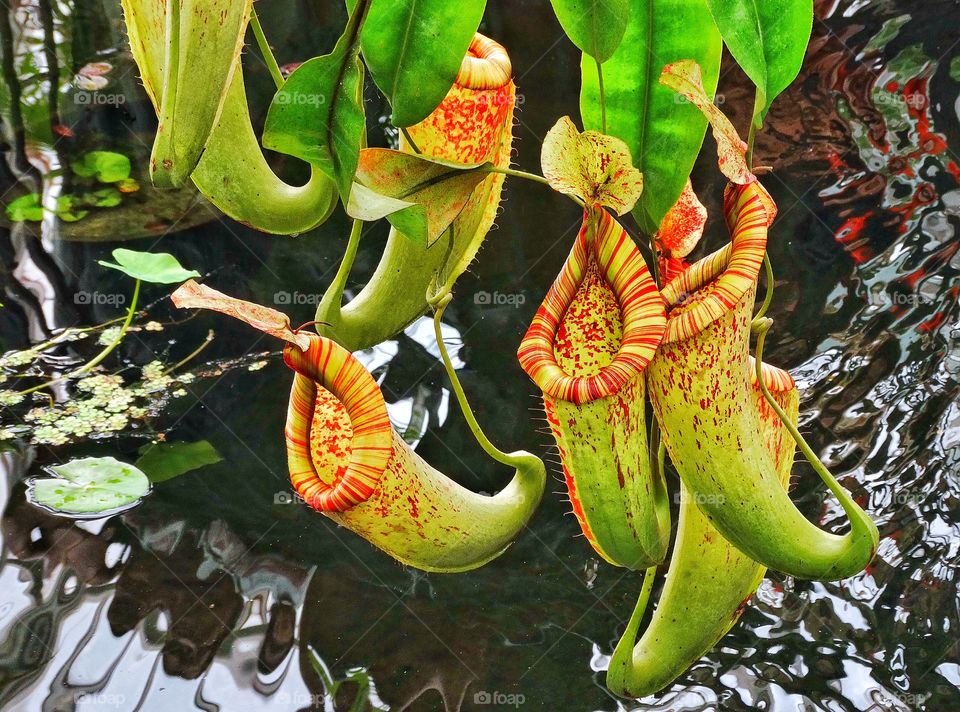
{"x": 217, "y": 593}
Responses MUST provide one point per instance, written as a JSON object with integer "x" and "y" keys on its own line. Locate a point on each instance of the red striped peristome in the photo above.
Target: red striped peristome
{"x": 602, "y": 242}
{"x": 329, "y": 366}
{"x": 714, "y": 285}
{"x": 776, "y": 379}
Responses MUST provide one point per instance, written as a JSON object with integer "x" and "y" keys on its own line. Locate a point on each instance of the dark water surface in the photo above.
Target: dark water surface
{"x": 218, "y": 593}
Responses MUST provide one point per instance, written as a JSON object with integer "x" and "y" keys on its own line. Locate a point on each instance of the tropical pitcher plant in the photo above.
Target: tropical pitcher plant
{"x": 647, "y": 361}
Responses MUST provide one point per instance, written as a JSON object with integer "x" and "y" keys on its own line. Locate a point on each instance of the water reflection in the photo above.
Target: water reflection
{"x": 215, "y": 595}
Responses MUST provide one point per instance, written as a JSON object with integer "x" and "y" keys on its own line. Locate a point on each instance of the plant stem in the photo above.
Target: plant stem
{"x": 333, "y": 297}
{"x": 439, "y": 303}
{"x": 752, "y": 134}
{"x": 349, "y": 256}
{"x": 655, "y": 261}
{"x": 860, "y": 522}
{"x": 96, "y": 360}
{"x": 272, "y": 66}
{"x": 603, "y": 99}
{"x": 192, "y": 355}
{"x": 409, "y": 138}
{"x": 490, "y": 168}
{"x": 649, "y": 576}
{"x": 769, "y": 295}
{"x": 93, "y": 363}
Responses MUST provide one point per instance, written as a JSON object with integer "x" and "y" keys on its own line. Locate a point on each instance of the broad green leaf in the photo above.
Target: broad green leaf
{"x": 662, "y": 132}
{"x": 105, "y": 166}
{"x": 768, "y": 38}
{"x": 318, "y": 114}
{"x": 90, "y": 486}
{"x": 158, "y": 268}
{"x": 26, "y": 207}
{"x": 685, "y": 79}
{"x": 164, "y": 461}
{"x": 436, "y": 192}
{"x": 596, "y": 27}
{"x": 591, "y": 166}
{"x": 414, "y": 49}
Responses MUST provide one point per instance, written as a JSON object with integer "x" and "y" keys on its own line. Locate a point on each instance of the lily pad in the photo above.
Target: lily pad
{"x": 164, "y": 461}
{"x": 105, "y": 166}
{"x": 89, "y": 486}
{"x": 158, "y": 268}
{"x": 26, "y": 207}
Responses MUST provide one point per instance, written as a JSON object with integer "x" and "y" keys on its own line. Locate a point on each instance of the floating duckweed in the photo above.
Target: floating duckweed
{"x": 152, "y": 371}
{"x": 14, "y": 359}
{"x": 9, "y": 398}
{"x": 108, "y": 336}
{"x": 102, "y": 404}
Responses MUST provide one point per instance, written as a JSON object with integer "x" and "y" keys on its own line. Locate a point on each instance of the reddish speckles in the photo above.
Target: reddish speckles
{"x": 591, "y": 331}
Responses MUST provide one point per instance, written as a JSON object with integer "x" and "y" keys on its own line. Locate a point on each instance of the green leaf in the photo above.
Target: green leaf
{"x": 105, "y": 166}
{"x": 91, "y": 485}
{"x": 158, "y": 268}
{"x": 420, "y": 196}
{"x": 596, "y": 27}
{"x": 68, "y": 210}
{"x": 164, "y": 461}
{"x": 26, "y": 207}
{"x": 662, "y": 132}
{"x": 768, "y": 38}
{"x": 104, "y": 198}
{"x": 414, "y": 49}
{"x": 318, "y": 114}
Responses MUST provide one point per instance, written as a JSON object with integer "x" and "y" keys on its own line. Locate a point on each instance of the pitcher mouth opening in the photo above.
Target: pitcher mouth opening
{"x": 602, "y": 248}
{"x": 338, "y": 433}
{"x": 714, "y": 285}
{"x": 485, "y": 66}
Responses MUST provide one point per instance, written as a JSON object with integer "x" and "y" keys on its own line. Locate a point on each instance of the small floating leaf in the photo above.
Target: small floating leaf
{"x": 158, "y": 268}
{"x": 164, "y": 461}
{"x": 91, "y": 485}
{"x": 104, "y": 198}
{"x": 105, "y": 166}
{"x": 592, "y": 166}
{"x": 26, "y": 207}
